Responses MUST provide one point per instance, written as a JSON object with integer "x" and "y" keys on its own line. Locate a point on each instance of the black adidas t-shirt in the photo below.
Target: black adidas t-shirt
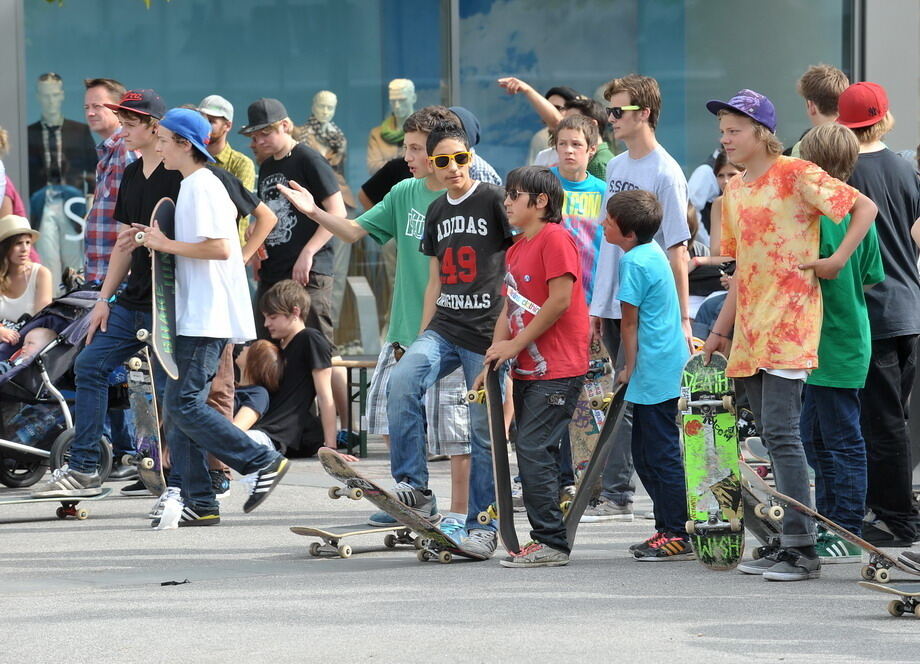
{"x": 289, "y": 409}
{"x": 469, "y": 237}
{"x": 307, "y": 167}
{"x": 892, "y": 184}
{"x": 137, "y": 196}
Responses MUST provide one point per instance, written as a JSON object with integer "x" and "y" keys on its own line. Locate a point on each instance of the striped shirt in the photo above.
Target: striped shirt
{"x": 101, "y": 230}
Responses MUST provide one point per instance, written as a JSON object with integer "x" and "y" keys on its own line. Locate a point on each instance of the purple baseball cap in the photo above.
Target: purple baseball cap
{"x": 752, "y": 104}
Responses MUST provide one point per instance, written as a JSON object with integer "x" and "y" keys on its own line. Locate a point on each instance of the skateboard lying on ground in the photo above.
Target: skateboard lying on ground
{"x": 334, "y": 534}
{"x": 149, "y": 452}
{"x": 709, "y": 441}
{"x": 501, "y": 470}
{"x": 587, "y": 421}
{"x": 163, "y": 270}
{"x": 68, "y": 505}
{"x": 613, "y": 406}
{"x": 435, "y": 544}
{"x": 879, "y": 561}
{"x": 908, "y": 592}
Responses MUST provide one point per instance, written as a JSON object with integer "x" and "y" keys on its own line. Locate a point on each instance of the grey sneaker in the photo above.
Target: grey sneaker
{"x": 607, "y": 510}
{"x": 480, "y": 541}
{"x": 760, "y": 565}
{"x": 911, "y": 559}
{"x": 67, "y": 483}
{"x": 793, "y": 566}
{"x": 535, "y": 554}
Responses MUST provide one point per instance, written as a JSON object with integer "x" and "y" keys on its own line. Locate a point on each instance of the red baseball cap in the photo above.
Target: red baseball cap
{"x": 862, "y": 104}
{"x": 143, "y": 102}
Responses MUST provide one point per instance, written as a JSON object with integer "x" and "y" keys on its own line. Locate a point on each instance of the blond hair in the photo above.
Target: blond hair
{"x": 762, "y": 134}
{"x": 833, "y": 147}
{"x": 643, "y": 91}
{"x": 874, "y": 132}
{"x": 4, "y": 141}
{"x": 822, "y": 85}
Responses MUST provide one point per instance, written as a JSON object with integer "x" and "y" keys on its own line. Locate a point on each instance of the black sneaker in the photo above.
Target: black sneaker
{"x": 877, "y": 533}
{"x": 198, "y": 517}
{"x": 911, "y": 559}
{"x": 121, "y": 472}
{"x": 136, "y": 489}
{"x": 666, "y": 547}
{"x": 220, "y": 483}
{"x": 266, "y": 481}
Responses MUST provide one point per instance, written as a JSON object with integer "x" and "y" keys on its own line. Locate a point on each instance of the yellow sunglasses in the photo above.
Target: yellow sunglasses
{"x": 443, "y": 160}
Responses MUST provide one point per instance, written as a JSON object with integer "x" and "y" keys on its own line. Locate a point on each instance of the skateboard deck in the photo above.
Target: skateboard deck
{"x": 879, "y": 563}
{"x": 908, "y": 592}
{"x": 163, "y": 269}
{"x": 435, "y": 545}
{"x": 709, "y": 442}
{"x": 754, "y": 453}
{"x": 613, "y": 406}
{"x": 491, "y": 394}
{"x": 332, "y": 536}
{"x": 586, "y": 424}
{"x": 68, "y": 505}
{"x": 148, "y": 457}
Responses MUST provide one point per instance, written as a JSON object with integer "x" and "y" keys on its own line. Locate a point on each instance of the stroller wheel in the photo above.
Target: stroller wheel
{"x": 20, "y": 474}
{"x": 60, "y": 453}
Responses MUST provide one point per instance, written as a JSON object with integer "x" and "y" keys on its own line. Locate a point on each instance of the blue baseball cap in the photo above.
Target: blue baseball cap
{"x": 747, "y": 102}
{"x": 191, "y": 126}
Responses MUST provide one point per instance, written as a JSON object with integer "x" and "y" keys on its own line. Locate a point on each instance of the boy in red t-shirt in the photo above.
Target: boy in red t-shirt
{"x": 543, "y": 328}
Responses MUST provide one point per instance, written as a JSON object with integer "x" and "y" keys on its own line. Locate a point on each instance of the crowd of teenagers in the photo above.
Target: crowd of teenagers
{"x": 800, "y": 267}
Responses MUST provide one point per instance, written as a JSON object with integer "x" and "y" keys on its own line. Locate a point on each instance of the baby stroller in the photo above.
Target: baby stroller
{"x": 36, "y": 425}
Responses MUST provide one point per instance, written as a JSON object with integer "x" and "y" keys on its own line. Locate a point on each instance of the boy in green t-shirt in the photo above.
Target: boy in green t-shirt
{"x": 829, "y": 422}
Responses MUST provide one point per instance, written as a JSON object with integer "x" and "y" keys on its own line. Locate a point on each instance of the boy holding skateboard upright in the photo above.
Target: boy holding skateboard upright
{"x": 773, "y": 311}
{"x": 543, "y": 328}
{"x": 655, "y": 350}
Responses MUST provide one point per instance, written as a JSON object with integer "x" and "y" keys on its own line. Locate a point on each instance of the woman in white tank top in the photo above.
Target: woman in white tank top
{"x": 25, "y": 287}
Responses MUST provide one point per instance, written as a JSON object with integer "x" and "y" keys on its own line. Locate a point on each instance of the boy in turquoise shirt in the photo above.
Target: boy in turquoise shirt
{"x": 829, "y": 423}
{"x": 655, "y": 350}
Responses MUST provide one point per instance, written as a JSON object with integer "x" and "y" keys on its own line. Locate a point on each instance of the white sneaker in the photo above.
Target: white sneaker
{"x": 172, "y": 510}
{"x": 157, "y": 510}
{"x": 480, "y": 541}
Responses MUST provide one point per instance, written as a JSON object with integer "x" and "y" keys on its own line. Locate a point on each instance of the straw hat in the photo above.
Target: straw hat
{"x": 13, "y": 224}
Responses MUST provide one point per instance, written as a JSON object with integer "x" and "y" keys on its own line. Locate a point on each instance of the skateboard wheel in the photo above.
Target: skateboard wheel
{"x": 345, "y": 551}
{"x": 139, "y": 237}
{"x": 335, "y": 492}
{"x": 422, "y": 555}
{"x": 61, "y": 513}
{"x": 867, "y": 572}
{"x": 682, "y": 404}
{"x": 134, "y": 364}
{"x": 128, "y": 460}
{"x": 882, "y": 575}
{"x": 760, "y": 510}
{"x": 728, "y": 403}
{"x": 390, "y": 541}
{"x": 600, "y": 403}
{"x": 445, "y": 557}
{"x": 776, "y": 513}
{"x": 735, "y": 525}
{"x": 690, "y": 527}
{"x": 484, "y": 518}
{"x": 916, "y": 610}
{"x": 147, "y": 463}
{"x": 143, "y": 335}
{"x": 896, "y": 608}
{"x": 355, "y": 493}
{"x": 417, "y": 543}
{"x": 762, "y": 472}
{"x": 315, "y": 549}
{"x": 81, "y": 514}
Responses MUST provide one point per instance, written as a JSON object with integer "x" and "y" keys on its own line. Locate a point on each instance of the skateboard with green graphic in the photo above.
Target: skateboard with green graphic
{"x": 709, "y": 443}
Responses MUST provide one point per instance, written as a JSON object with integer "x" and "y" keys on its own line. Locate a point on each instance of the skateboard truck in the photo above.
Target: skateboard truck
{"x": 353, "y": 493}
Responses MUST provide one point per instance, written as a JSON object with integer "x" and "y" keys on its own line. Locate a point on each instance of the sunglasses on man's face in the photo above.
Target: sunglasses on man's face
{"x": 617, "y": 111}
{"x": 443, "y": 160}
{"x": 514, "y": 193}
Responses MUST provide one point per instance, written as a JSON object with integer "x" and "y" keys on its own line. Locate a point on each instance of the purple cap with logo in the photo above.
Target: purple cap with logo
{"x": 752, "y": 104}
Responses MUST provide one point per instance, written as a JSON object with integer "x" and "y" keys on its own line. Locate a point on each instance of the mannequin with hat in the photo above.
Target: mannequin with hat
{"x": 385, "y": 140}
{"x": 25, "y": 287}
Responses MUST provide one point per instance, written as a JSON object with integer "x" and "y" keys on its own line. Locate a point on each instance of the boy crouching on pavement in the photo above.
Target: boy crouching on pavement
{"x": 655, "y": 349}
{"x": 543, "y": 328}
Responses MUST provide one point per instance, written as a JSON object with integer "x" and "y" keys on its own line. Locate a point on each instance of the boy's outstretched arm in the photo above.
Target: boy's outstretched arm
{"x": 346, "y": 229}
{"x": 863, "y": 216}
{"x": 629, "y": 339}
{"x": 547, "y": 112}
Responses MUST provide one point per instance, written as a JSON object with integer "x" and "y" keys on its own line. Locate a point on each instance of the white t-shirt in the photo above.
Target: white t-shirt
{"x": 658, "y": 173}
{"x": 212, "y": 296}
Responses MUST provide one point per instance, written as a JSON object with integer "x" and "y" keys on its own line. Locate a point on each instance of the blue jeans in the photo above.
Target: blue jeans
{"x": 193, "y": 427}
{"x": 427, "y": 360}
{"x": 836, "y": 451}
{"x": 91, "y": 370}
{"x": 777, "y": 404}
{"x": 542, "y": 424}
{"x": 617, "y": 478}
{"x": 656, "y": 453}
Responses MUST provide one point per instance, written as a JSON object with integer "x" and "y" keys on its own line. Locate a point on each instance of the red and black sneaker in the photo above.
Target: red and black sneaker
{"x": 647, "y": 544}
{"x": 666, "y": 547}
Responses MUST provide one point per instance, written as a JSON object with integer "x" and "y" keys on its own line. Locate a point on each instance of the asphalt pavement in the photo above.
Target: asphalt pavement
{"x": 104, "y": 590}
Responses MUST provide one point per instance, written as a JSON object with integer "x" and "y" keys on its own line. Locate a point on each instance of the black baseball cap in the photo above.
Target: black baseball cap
{"x": 262, "y": 113}
{"x": 142, "y": 102}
